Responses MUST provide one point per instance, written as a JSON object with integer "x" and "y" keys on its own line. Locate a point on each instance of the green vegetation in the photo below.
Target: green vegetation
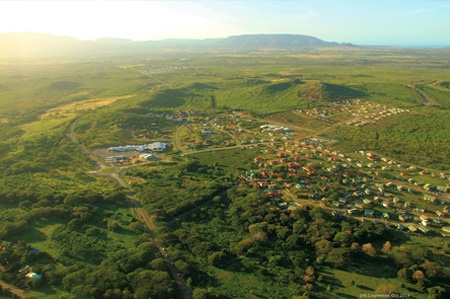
{"x": 236, "y": 209}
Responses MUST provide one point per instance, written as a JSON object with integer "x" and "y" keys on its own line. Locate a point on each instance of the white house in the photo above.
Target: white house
{"x": 157, "y": 146}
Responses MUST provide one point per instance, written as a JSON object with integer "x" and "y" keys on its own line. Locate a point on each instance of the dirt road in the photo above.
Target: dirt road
{"x": 425, "y": 97}
{"x": 141, "y": 214}
{"x": 13, "y": 290}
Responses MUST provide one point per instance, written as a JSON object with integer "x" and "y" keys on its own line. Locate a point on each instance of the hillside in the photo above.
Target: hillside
{"x": 17, "y": 45}
{"x": 23, "y": 45}
{"x": 258, "y": 96}
{"x": 283, "y": 175}
{"x": 258, "y": 41}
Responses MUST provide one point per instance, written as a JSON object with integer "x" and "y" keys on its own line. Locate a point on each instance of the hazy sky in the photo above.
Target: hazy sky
{"x": 373, "y": 22}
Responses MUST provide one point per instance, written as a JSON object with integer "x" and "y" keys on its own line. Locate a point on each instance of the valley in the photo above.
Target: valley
{"x": 314, "y": 173}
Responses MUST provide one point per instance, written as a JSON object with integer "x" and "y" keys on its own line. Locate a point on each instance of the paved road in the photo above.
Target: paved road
{"x": 143, "y": 216}
{"x": 139, "y": 210}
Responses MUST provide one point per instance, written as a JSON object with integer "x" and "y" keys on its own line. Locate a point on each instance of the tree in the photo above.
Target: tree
{"x": 152, "y": 284}
{"x": 308, "y": 287}
{"x": 386, "y": 247}
{"x": 113, "y": 225}
{"x": 106, "y": 276}
{"x": 309, "y": 275}
{"x": 200, "y": 293}
{"x": 369, "y": 250}
{"x": 421, "y": 285}
{"x": 432, "y": 269}
{"x": 339, "y": 257}
{"x": 74, "y": 224}
{"x": 404, "y": 274}
{"x": 355, "y": 247}
{"x": 182, "y": 266}
{"x": 437, "y": 292}
{"x": 418, "y": 275}
{"x": 158, "y": 264}
{"x": 344, "y": 239}
{"x": 217, "y": 259}
{"x": 402, "y": 258}
{"x": 323, "y": 247}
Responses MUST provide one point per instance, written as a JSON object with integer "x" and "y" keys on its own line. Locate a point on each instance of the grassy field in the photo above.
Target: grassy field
{"x": 114, "y": 102}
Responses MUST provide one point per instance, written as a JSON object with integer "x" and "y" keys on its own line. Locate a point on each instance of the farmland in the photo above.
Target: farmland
{"x": 322, "y": 174}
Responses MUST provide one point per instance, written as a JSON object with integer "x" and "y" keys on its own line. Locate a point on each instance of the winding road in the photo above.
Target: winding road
{"x": 425, "y": 97}
{"x": 140, "y": 212}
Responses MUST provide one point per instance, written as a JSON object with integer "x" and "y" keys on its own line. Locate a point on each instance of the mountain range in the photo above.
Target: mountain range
{"x": 37, "y": 44}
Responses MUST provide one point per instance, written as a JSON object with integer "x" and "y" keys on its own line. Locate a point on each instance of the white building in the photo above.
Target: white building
{"x": 156, "y": 146}
{"x": 127, "y": 148}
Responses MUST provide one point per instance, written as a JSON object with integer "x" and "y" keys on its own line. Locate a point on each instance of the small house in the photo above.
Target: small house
{"x": 368, "y": 213}
{"x": 366, "y": 201}
{"x": 412, "y": 228}
{"x": 430, "y": 198}
{"x": 33, "y": 276}
{"x": 441, "y": 188}
{"x": 423, "y": 229}
{"x": 420, "y": 209}
{"x": 403, "y": 217}
{"x": 437, "y": 221}
{"x": 352, "y": 211}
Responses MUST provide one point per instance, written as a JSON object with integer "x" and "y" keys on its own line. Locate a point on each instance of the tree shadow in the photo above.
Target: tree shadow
{"x": 30, "y": 236}
{"x": 364, "y": 288}
{"x": 329, "y": 278}
{"x": 341, "y": 295}
{"x": 380, "y": 269}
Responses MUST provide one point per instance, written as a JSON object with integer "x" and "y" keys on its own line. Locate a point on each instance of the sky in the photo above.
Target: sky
{"x": 361, "y": 22}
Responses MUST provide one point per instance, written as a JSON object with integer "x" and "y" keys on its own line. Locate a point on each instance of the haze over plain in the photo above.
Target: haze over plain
{"x": 381, "y": 22}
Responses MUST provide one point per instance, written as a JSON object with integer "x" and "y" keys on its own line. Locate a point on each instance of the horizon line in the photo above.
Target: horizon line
{"x": 364, "y": 44}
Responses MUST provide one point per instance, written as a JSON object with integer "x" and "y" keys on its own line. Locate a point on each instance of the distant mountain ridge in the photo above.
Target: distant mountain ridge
{"x": 37, "y": 44}
{"x": 260, "y": 41}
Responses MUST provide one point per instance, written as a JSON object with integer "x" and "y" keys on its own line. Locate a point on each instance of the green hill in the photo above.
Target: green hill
{"x": 255, "y": 95}
{"x": 335, "y": 92}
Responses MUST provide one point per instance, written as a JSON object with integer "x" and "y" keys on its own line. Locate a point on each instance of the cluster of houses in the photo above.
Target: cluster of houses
{"x": 239, "y": 125}
{"x": 274, "y": 128}
{"x": 320, "y": 113}
{"x": 371, "y": 118}
{"x": 309, "y": 170}
{"x": 27, "y": 270}
{"x": 179, "y": 116}
{"x": 150, "y": 69}
{"x": 360, "y": 112}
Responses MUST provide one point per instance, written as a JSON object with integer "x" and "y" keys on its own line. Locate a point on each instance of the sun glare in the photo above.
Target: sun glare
{"x": 94, "y": 19}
